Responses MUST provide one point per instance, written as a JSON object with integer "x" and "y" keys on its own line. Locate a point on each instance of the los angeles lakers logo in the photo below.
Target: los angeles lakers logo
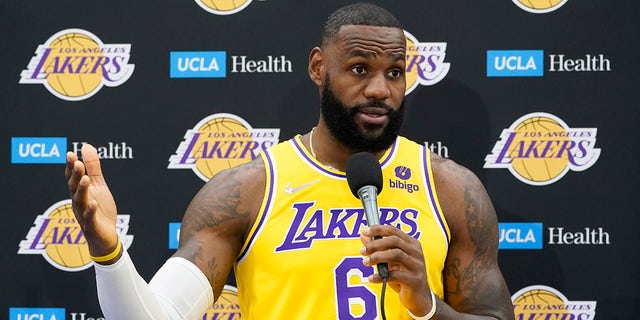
{"x": 74, "y": 64}
{"x": 425, "y": 62}
{"x": 543, "y": 302}
{"x": 226, "y": 307}
{"x": 220, "y": 141}
{"x": 539, "y": 149}
{"x": 223, "y": 7}
{"x": 539, "y": 6}
{"x": 57, "y": 236}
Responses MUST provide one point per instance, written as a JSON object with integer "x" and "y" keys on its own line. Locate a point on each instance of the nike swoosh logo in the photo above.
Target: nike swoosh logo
{"x": 289, "y": 190}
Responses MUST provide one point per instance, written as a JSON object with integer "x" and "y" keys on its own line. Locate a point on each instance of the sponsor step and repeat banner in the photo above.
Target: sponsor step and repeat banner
{"x": 539, "y": 98}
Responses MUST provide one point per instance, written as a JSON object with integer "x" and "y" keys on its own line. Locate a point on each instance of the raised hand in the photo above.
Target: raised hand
{"x": 92, "y": 202}
{"x": 407, "y": 271}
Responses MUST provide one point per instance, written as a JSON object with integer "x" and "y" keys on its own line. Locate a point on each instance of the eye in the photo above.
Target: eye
{"x": 395, "y": 73}
{"x": 358, "y": 70}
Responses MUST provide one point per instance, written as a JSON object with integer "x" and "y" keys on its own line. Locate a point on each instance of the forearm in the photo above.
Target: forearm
{"x": 178, "y": 291}
{"x": 446, "y": 312}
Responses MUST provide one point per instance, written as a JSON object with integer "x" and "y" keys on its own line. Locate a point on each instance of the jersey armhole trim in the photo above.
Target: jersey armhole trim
{"x": 265, "y": 207}
{"x": 432, "y": 195}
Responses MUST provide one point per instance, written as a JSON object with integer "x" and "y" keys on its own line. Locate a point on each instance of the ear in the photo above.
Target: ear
{"x": 317, "y": 68}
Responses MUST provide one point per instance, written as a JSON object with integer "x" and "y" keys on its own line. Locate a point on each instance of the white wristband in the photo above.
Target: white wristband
{"x": 431, "y": 312}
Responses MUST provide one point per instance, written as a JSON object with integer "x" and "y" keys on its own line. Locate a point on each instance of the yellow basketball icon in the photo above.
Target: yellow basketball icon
{"x": 535, "y": 160}
{"x": 535, "y": 302}
{"x": 425, "y": 63}
{"x": 67, "y": 75}
{"x": 539, "y": 6}
{"x": 221, "y": 145}
{"x": 412, "y": 53}
{"x": 227, "y": 306}
{"x": 223, "y": 7}
{"x": 65, "y": 243}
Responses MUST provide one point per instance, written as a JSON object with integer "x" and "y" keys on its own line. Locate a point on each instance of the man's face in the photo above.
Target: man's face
{"x": 364, "y": 85}
{"x": 341, "y": 121}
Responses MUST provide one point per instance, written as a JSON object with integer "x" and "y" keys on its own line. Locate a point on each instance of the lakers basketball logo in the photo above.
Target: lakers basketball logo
{"x": 539, "y": 6}
{"x": 425, "y": 62}
{"x": 223, "y": 7}
{"x": 220, "y": 141}
{"x": 226, "y": 307}
{"x": 74, "y": 64}
{"x": 543, "y": 302}
{"x": 539, "y": 149}
{"x": 57, "y": 236}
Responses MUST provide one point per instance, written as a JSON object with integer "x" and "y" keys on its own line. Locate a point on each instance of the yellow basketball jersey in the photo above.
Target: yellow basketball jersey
{"x": 302, "y": 257}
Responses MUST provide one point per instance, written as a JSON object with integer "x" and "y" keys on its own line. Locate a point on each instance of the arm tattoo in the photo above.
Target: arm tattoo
{"x": 222, "y": 202}
{"x": 226, "y": 199}
{"x": 483, "y": 236}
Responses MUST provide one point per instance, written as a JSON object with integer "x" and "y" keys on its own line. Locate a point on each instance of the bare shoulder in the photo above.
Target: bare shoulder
{"x": 472, "y": 278}
{"x": 232, "y": 195}
{"x": 218, "y": 219}
{"x": 464, "y": 200}
{"x": 223, "y": 211}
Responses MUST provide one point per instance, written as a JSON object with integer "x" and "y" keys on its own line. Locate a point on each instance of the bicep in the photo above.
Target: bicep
{"x": 216, "y": 220}
{"x": 473, "y": 280}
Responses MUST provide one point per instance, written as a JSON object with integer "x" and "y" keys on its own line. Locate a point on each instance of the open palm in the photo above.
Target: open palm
{"x": 92, "y": 202}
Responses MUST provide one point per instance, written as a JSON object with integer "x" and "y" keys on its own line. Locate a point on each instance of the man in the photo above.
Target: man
{"x": 294, "y": 234}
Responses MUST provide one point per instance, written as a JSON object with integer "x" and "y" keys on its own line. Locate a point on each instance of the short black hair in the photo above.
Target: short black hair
{"x": 360, "y": 13}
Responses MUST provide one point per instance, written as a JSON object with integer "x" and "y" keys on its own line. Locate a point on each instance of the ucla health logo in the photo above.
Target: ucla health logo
{"x": 56, "y": 235}
{"x": 425, "y": 62}
{"x": 74, "y": 64}
{"x": 544, "y": 302}
{"x": 198, "y": 64}
{"x": 539, "y": 6}
{"x": 174, "y": 234}
{"x": 37, "y": 313}
{"x": 539, "y": 149}
{"x": 38, "y": 150}
{"x": 220, "y": 141}
{"x": 223, "y": 7}
{"x": 520, "y": 235}
{"x": 515, "y": 63}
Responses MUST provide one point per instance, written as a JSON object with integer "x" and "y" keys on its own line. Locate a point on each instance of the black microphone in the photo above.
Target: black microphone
{"x": 364, "y": 177}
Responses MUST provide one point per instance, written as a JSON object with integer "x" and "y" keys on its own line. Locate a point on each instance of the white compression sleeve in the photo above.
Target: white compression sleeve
{"x": 178, "y": 290}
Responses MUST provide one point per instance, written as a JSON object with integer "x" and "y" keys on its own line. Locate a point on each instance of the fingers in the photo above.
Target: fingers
{"x": 80, "y": 195}
{"x": 402, "y": 253}
{"x": 74, "y": 172}
{"x": 71, "y": 159}
{"x": 92, "y": 163}
{"x": 383, "y": 231}
{"x": 391, "y": 238}
{"x": 76, "y": 169}
{"x": 78, "y": 184}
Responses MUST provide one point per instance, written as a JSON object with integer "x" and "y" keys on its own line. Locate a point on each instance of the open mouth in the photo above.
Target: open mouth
{"x": 372, "y": 115}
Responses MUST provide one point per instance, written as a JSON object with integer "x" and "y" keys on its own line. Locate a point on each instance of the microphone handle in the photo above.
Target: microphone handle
{"x": 368, "y": 195}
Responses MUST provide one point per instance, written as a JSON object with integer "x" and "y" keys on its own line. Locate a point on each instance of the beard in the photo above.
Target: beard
{"x": 340, "y": 120}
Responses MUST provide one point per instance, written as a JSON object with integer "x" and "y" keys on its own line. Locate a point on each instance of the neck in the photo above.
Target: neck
{"x": 324, "y": 147}
{"x": 325, "y": 150}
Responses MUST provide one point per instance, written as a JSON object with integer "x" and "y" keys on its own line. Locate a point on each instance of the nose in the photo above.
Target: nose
{"x": 377, "y": 87}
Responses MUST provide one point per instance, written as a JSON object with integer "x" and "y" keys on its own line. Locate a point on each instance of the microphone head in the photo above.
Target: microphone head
{"x": 363, "y": 169}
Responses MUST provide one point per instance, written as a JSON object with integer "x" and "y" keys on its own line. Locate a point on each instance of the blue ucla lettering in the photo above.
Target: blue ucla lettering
{"x": 310, "y": 224}
{"x": 37, "y": 314}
